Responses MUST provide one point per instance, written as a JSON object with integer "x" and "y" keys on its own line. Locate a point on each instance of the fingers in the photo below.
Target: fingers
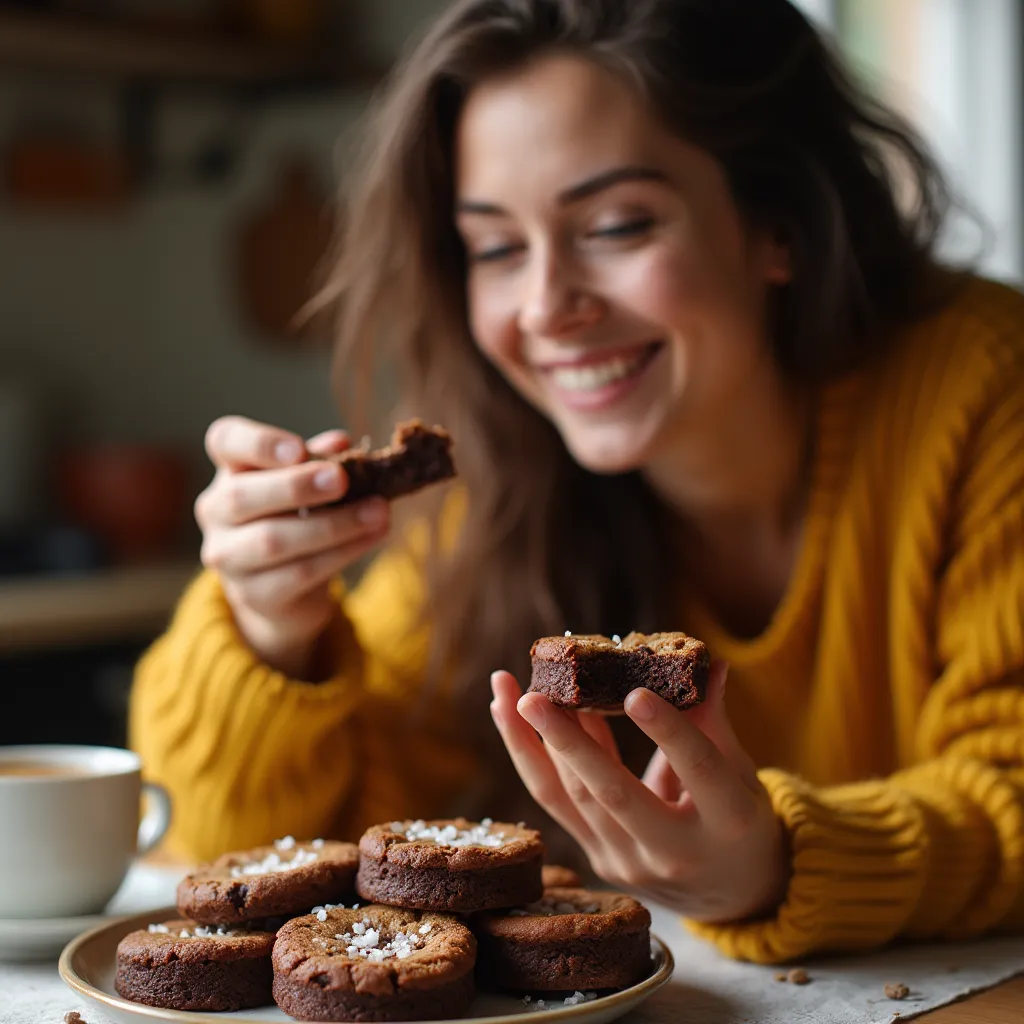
{"x": 275, "y": 541}
{"x": 719, "y": 791}
{"x": 531, "y": 760}
{"x": 236, "y": 498}
{"x": 661, "y": 780}
{"x": 632, "y": 806}
{"x": 330, "y": 442}
{"x": 596, "y": 726}
{"x": 711, "y": 718}
{"x": 279, "y": 591}
{"x": 237, "y": 443}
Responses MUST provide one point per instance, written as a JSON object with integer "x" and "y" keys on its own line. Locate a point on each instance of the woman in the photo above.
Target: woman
{"x": 647, "y": 263}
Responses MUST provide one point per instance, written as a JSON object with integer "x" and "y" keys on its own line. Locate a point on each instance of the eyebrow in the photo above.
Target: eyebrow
{"x": 574, "y": 194}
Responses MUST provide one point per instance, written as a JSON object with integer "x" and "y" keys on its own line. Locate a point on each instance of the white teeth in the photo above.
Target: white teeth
{"x": 594, "y": 375}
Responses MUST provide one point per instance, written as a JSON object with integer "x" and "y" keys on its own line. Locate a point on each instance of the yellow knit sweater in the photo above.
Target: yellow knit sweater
{"x": 885, "y": 700}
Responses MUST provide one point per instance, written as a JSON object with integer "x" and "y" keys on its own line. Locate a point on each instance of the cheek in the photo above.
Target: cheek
{"x": 492, "y": 323}
{"x": 694, "y": 288}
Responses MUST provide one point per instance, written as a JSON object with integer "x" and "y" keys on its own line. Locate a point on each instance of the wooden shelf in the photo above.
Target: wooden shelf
{"x": 123, "y": 53}
{"x": 116, "y": 604}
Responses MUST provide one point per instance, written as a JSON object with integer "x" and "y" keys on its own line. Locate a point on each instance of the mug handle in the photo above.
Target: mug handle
{"x": 157, "y": 818}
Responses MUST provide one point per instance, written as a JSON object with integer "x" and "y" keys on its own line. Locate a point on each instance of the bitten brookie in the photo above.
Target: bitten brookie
{"x": 599, "y": 672}
{"x": 417, "y": 456}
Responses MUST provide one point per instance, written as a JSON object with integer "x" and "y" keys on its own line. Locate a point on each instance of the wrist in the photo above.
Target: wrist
{"x": 293, "y": 651}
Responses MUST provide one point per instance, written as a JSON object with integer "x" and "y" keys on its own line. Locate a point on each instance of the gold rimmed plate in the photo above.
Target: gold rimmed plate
{"x": 89, "y": 962}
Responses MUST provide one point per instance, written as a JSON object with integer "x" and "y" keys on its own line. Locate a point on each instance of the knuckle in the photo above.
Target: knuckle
{"x": 302, "y": 573}
{"x": 578, "y": 791}
{"x": 612, "y": 795}
{"x": 211, "y": 554}
{"x": 235, "y": 505}
{"x": 200, "y": 507}
{"x": 545, "y": 793}
{"x": 268, "y": 543}
{"x": 667, "y": 867}
{"x": 738, "y": 822}
{"x": 703, "y": 767}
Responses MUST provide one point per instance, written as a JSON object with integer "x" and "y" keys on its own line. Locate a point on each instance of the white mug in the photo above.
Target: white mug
{"x": 69, "y": 827}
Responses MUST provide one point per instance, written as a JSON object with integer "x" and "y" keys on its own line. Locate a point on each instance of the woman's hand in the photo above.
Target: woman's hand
{"x": 697, "y": 834}
{"x": 276, "y": 565}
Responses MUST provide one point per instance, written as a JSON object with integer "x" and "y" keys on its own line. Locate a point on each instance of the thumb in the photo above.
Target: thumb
{"x": 713, "y": 720}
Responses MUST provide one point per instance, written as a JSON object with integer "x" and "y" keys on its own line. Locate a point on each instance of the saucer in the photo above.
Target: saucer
{"x": 41, "y": 938}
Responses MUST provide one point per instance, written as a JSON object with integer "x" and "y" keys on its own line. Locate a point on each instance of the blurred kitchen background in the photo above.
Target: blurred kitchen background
{"x": 166, "y": 168}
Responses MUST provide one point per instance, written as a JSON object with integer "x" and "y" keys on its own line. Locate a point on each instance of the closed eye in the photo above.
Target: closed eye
{"x": 499, "y": 252}
{"x": 628, "y": 229}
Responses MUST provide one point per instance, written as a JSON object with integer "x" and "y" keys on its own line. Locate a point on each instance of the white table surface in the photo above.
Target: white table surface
{"x": 706, "y": 988}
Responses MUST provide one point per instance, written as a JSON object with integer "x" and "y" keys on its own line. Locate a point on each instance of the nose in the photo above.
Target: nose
{"x": 555, "y": 302}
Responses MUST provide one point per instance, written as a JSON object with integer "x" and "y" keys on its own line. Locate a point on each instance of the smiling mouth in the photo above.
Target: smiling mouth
{"x": 594, "y": 376}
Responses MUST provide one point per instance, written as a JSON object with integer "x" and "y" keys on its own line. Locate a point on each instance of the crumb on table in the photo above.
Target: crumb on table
{"x": 73, "y": 1017}
{"x": 780, "y": 976}
{"x": 896, "y": 991}
{"x": 798, "y": 976}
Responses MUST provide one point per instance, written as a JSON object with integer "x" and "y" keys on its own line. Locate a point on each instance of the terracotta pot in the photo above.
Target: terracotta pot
{"x": 135, "y": 498}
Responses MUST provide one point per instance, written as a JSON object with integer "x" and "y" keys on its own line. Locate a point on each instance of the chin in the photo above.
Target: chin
{"x": 608, "y": 455}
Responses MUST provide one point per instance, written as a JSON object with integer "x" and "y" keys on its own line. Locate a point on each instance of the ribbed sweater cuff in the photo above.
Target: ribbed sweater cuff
{"x": 859, "y": 859}
{"x": 207, "y": 607}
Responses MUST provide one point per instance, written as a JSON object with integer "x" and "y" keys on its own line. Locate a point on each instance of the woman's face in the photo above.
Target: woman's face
{"x": 611, "y": 279}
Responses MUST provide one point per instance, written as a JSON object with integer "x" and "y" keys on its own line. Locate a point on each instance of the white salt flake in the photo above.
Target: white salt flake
{"x": 568, "y": 632}
{"x": 321, "y": 915}
{"x": 158, "y": 929}
{"x": 449, "y": 835}
{"x": 317, "y": 844}
{"x": 274, "y": 863}
{"x": 425, "y": 928}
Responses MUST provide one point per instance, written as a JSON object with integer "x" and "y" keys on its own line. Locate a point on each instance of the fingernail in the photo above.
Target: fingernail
{"x": 534, "y": 713}
{"x": 326, "y": 479}
{"x": 288, "y": 451}
{"x": 494, "y": 712}
{"x": 641, "y": 707}
{"x": 373, "y": 513}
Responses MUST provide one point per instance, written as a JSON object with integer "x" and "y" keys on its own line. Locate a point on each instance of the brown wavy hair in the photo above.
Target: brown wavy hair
{"x": 546, "y": 545}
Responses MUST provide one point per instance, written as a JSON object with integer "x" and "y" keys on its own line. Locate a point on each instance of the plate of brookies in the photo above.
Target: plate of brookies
{"x": 421, "y": 920}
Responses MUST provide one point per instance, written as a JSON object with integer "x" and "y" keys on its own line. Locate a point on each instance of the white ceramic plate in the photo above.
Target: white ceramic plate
{"x": 88, "y": 964}
{"x": 42, "y": 938}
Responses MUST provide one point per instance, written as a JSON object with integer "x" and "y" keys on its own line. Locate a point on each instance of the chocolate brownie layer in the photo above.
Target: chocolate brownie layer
{"x": 417, "y": 456}
{"x": 453, "y": 865}
{"x": 600, "y": 672}
{"x": 374, "y": 964}
{"x": 282, "y": 880}
{"x": 180, "y": 965}
{"x": 554, "y": 876}
{"x": 571, "y": 940}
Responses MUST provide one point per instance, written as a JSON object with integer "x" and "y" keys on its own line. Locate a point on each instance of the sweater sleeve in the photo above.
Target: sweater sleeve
{"x": 937, "y": 849}
{"x": 248, "y": 754}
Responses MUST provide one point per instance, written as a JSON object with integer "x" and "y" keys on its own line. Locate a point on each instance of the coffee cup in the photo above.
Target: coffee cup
{"x": 70, "y": 828}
